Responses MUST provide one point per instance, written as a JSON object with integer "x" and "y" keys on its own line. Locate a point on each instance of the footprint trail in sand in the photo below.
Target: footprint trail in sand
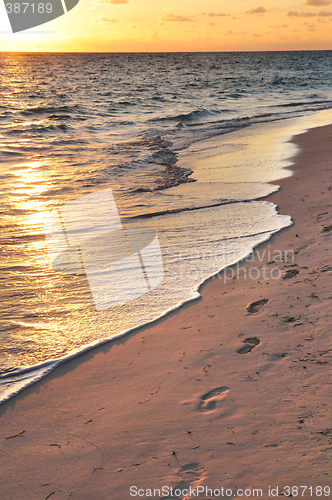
{"x": 249, "y": 344}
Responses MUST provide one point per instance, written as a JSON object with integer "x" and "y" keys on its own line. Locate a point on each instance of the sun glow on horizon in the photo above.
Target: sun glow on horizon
{"x": 185, "y": 25}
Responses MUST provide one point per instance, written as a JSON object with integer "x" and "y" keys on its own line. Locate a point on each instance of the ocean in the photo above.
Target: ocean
{"x": 183, "y": 144}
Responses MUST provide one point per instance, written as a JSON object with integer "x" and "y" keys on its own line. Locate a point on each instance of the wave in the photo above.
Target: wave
{"x": 197, "y": 114}
{"x": 10, "y": 154}
{"x": 23, "y": 131}
{"x": 150, "y": 215}
{"x": 54, "y": 116}
{"x": 48, "y": 109}
{"x": 41, "y": 129}
{"x": 302, "y": 103}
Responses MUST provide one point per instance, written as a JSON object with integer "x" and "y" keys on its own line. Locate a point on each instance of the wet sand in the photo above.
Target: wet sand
{"x": 231, "y": 391}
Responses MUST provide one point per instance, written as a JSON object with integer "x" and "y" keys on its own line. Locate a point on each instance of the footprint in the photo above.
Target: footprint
{"x": 290, "y": 319}
{"x": 209, "y": 400}
{"x": 189, "y": 475}
{"x": 193, "y": 469}
{"x": 299, "y": 249}
{"x": 249, "y": 344}
{"x": 290, "y": 273}
{"x": 321, "y": 216}
{"x": 254, "y": 307}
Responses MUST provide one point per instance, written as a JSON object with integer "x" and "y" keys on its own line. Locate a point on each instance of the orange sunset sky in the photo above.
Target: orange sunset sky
{"x": 178, "y": 25}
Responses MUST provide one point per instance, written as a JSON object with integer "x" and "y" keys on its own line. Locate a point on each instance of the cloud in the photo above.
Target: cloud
{"x": 172, "y": 18}
{"x": 212, "y": 23}
{"x": 234, "y": 33}
{"x": 302, "y": 13}
{"x": 104, "y": 20}
{"x": 317, "y": 3}
{"x": 292, "y": 13}
{"x": 215, "y": 14}
{"x": 309, "y": 27}
{"x": 257, "y": 10}
{"x": 279, "y": 26}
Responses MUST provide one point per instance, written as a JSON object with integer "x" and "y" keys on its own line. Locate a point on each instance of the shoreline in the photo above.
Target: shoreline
{"x": 284, "y": 153}
{"x": 290, "y": 126}
{"x": 40, "y": 370}
{"x": 195, "y": 396}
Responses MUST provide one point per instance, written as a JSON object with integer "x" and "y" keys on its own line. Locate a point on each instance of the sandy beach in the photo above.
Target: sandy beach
{"x": 231, "y": 391}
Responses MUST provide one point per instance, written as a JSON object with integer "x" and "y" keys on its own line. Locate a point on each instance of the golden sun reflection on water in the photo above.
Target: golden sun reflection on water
{"x": 32, "y": 182}
{"x": 38, "y": 304}
{"x": 25, "y": 125}
{"x": 28, "y": 203}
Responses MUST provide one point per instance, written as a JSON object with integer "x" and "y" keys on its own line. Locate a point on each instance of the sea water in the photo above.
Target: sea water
{"x": 187, "y": 144}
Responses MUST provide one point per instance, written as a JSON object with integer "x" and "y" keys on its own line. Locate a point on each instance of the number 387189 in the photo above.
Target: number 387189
{"x": 31, "y": 8}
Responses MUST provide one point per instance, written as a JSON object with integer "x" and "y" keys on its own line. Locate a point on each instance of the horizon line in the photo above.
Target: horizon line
{"x": 158, "y": 51}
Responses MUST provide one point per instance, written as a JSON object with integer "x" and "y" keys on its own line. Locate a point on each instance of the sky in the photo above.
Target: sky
{"x": 178, "y": 25}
